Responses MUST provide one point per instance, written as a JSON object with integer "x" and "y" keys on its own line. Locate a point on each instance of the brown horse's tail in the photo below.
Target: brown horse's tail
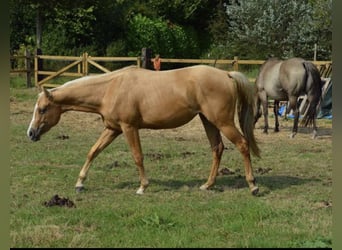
{"x": 245, "y": 108}
{"x": 314, "y": 92}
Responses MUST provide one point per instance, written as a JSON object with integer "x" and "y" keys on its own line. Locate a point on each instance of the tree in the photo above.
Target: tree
{"x": 72, "y": 29}
{"x": 163, "y": 37}
{"x": 322, "y": 21}
{"x": 260, "y": 28}
{"x": 175, "y": 28}
{"x": 21, "y": 28}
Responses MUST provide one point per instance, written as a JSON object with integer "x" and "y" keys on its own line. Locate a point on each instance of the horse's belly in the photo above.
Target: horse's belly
{"x": 167, "y": 118}
{"x": 276, "y": 93}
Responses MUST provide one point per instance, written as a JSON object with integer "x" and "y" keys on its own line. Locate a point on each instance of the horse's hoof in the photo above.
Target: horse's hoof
{"x": 314, "y": 135}
{"x": 255, "y": 190}
{"x": 140, "y": 191}
{"x": 204, "y": 187}
{"x": 79, "y": 189}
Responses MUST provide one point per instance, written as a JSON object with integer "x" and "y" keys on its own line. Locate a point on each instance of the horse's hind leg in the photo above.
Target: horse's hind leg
{"x": 264, "y": 102}
{"x": 217, "y": 146}
{"x": 275, "y": 110}
{"x": 314, "y": 132}
{"x": 258, "y": 111}
{"x": 293, "y": 105}
{"x": 105, "y": 139}
{"x": 232, "y": 134}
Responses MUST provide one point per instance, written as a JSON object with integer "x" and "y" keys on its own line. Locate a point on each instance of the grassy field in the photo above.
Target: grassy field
{"x": 293, "y": 209}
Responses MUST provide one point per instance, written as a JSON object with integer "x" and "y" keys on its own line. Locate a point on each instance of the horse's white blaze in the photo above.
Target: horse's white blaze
{"x": 31, "y": 123}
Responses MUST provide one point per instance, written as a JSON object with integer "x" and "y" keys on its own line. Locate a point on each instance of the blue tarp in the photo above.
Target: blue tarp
{"x": 325, "y": 108}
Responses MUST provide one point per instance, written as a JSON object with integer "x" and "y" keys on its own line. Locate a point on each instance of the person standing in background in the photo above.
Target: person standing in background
{"x": 157, "y": 62}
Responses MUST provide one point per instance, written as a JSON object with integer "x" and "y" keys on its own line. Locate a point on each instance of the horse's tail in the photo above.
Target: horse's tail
{"x": 245, "y": 108}
{"x": 314, "y": 92}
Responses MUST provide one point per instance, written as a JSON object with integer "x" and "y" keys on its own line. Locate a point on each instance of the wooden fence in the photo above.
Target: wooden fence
{"x": 81, "y": 66}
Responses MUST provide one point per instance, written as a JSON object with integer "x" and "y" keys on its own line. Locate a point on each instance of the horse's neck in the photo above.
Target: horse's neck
{"x": 80, "y": 97}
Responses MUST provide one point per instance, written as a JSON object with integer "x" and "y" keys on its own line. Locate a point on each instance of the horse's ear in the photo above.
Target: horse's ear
{"x": 47, "y": 94}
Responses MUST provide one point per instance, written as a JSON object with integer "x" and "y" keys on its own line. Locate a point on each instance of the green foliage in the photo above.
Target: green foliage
{"x": 279, "y": 28}
{"x": 167, "y": 39}
{"x": 71, "y": 32}
{"x": 175, "y": 28}
{"x": 17, "y": 82}
{"x": 22, "y": 30}
{"x": 117, "y": 48}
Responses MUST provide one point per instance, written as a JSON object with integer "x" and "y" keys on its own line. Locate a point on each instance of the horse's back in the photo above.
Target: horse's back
{"x": 190, "y": 79}
{"x": 292, "y": 76}
{"x": 268, "y": 79}
{"x": 166, "y": 99}
{"x": 292, "y": 67}
{"x": 281, "y": 78}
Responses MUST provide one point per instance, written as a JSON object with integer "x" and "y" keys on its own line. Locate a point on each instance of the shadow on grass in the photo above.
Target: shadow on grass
{"x": 271, "y": 183}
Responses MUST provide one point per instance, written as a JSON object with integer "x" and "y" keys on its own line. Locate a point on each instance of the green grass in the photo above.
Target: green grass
{"x": 290, "y": 211}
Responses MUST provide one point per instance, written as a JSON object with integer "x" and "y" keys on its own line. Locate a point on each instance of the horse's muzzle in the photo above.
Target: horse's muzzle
{"x": 33, "y": 134}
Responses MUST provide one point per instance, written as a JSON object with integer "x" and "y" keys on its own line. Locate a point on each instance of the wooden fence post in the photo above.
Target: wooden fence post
{"x": 146, "y": 56}
{"x": 236, "y": 63}
{"x": 85, "y": 64}
{"x": 139, "y": 61}
{"x": 79, "y": 67}
{"x": 28, "y": 68}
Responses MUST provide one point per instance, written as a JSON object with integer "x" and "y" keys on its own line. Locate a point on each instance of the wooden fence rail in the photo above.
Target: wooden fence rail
{"x": 84, "y": 61}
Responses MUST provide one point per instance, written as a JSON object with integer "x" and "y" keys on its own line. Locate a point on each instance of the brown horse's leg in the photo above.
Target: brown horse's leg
{"x": 314, "y": 132}
{"x": 232, "y": 134}
{"x": 105, "y": 139}
{"x": 258, "y": 111}
{"x": 293, "y": 105}
{"x": 263, "y": 98}
{"x": 275, "y": 111}
{"x": 216, "y": 144}
{"x": 133, "y": 140}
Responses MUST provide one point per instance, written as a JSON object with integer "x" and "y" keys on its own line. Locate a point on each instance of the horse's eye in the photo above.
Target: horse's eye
{"x": 42, "y": 110}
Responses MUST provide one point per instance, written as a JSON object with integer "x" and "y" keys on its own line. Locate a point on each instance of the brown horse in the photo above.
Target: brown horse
{"x": 132, "y": 98}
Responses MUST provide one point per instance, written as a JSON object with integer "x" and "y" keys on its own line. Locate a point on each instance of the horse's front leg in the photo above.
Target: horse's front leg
{"x": 105, "y": 139}
{"x": 132, "y": 136}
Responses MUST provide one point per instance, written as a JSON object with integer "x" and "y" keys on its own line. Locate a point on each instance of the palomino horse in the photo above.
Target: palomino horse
{"x": 286, "y": 81}
{"x": 132, "y": 98}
